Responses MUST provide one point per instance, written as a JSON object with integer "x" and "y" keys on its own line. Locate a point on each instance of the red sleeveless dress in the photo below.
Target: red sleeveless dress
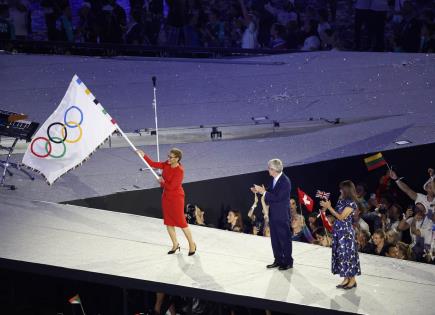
{"x": 173, "y": 193}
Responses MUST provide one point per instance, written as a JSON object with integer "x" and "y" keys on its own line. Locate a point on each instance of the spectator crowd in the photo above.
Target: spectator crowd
{"x": 369, "y": 25}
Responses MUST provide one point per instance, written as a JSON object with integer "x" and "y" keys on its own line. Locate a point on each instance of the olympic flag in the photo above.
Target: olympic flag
{"x": 70, "y": 135}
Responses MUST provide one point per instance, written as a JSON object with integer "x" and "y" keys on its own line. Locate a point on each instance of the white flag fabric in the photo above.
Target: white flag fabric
{"x": 70, "y": 135}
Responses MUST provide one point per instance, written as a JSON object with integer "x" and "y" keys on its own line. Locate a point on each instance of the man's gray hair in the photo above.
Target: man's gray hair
{"x": 275, "y": 164}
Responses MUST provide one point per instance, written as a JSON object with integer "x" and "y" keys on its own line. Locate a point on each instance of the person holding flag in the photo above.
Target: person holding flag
{"x": 345, "y": 259}
{"x": 173, "y": 197}
{"x": 278, "y": 199}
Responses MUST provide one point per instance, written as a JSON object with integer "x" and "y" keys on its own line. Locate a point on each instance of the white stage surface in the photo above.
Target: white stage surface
{"x": 130, "y": 251}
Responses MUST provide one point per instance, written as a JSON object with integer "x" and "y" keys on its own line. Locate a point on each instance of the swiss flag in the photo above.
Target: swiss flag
{"x": 305, "y": 200}
{"x": 325, "y": 221}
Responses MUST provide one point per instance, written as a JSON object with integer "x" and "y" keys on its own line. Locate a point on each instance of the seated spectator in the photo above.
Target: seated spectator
{"x": 136, "y": 31}
{"x": 403, "y": 251}
{"x": 313, "y": 222}
{"x": 324, "y": 30}
{"x": 420, "y": 227}
{"x": 362, "y": 239}
{"x": 379, "y": 245}
{"x": 322, "y": 237}
{"x": 111, "y": 30}
{"x": 249, "y": 37}
{"x": 199, "y": 216}
{"x": 6, "y": 28}
{"x": 427, "y": 39}
{"x": 277, "y": 35}
{"x": 297, "y": 222}
{"x": 213, "y": 34}
{"x": 311, "y": 41}
{"x": 392, "y": 237}
{"x": 392, "y": 251}
{"x": 407, "y": 32}
{"x": 153, "y": 20}
{"x": 283, "y": 15}
{"x": 20, "y": 17}
{"x": 87, "y": 31}
{"x": 361, "y": 193}
{"x": 194, "y": 215}
{"x": 359, "y": 222}
{"x": 395, "y": 213}
{"x": 235, "y": 222}
{"x": 64, "y": 26}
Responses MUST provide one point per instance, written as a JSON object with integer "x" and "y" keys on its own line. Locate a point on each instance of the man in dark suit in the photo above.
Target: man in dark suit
{"x": 278, "y": 199}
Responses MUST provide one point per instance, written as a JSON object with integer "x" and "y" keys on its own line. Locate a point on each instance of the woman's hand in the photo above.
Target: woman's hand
{"x": 161, "y": 180}
{"x": 140, "y": 152}
{"x": 325, "y": 204}
{"x": 409, "y": 213}
{"x": 392, "y": 174}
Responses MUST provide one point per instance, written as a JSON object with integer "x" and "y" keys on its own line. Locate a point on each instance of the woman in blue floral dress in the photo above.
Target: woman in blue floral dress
{"x": 345, "y": 259}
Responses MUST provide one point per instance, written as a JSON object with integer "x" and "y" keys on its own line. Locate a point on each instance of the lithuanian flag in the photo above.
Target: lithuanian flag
{"x": 75, "y": 299}
{"x": 375, "y": 161}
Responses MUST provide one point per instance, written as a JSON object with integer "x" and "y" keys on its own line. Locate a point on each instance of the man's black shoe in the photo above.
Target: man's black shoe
{"x": 274, "y": 265}
{"x": 285, "y": 267}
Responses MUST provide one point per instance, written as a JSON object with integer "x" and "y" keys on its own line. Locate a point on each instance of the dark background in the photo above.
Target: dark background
{"x": 217, "y": 196}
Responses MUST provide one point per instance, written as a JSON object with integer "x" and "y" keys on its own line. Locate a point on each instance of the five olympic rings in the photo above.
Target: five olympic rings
{"x": 59, "y": 140}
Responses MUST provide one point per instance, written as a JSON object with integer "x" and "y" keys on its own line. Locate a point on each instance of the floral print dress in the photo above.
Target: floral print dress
{"x": 345, "y": 259}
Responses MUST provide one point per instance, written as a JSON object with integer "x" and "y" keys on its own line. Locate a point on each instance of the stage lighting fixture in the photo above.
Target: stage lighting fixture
{"x": 259, "y": 119}
{"x": 402, "y": 142}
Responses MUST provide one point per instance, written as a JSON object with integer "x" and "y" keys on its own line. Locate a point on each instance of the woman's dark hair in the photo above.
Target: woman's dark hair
{"x": 348, "y": 189}
{"x": 381, "y": 233}
{"x": 239, "y": 222}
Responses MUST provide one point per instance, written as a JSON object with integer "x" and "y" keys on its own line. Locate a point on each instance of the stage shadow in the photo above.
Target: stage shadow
{"x": 279, "y": 285}
{"x": 192, "y": 267}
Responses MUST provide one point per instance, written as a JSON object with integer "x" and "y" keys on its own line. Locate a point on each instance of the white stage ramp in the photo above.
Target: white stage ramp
{"x": 130, "y": 251}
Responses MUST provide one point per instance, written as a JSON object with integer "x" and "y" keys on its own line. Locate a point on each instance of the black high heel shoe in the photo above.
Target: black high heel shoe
{"x": 351, "y": 287}
{"x": 192, "y": 253}
{"x": 341, "y": 286}
{"x": 172, "y": 251}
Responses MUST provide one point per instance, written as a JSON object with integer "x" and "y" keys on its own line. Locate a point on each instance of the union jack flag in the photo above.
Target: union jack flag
{"x": 322, "y": 194}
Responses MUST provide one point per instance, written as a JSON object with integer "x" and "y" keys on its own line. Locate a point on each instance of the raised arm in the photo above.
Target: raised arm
{"x": 254, "y": 205}
{"x": 152, "y": 163}
{"x": 265, "y": 208}
{"x": 405, "y": 188}
{"x": 244, "y": 12}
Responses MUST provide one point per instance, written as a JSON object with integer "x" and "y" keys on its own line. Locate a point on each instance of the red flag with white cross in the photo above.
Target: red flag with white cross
{"x": 305, "y": 200}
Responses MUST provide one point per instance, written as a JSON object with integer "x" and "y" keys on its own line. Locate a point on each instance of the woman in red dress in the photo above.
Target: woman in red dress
{"x": 173, "y": 197}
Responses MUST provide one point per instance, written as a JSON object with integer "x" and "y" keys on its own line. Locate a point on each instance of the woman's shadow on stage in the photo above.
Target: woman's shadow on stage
{"x": 193, "y": 269}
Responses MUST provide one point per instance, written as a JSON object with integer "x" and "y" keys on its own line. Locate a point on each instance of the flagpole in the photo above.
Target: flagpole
{"x": 82, "y": 308}
{"x": 135, "y": 149}
{"x": 155, "y": 116}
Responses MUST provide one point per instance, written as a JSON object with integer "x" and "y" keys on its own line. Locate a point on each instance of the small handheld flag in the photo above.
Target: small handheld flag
{"x": 305, "y": 200}
{"x": 322, "y": 194}
{"x": 75, "y": 299}
{"x": 375, "y": 161}
{"x": 325, "y": 221}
